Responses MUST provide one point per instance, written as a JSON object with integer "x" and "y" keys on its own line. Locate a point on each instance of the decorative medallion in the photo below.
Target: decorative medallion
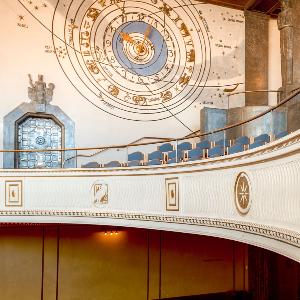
{"x": 172, "y": 194}
{"x": 100, "y": 193}
{"x": 13, "y": 193}
{"x": 242, "y": 192}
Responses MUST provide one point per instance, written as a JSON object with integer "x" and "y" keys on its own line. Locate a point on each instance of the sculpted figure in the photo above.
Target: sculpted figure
{"x": 39, "y": 92}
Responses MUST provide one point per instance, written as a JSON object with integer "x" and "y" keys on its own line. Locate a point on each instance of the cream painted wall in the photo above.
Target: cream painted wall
{"x": 274, "y": 61}
{"x": 24, "y": 50}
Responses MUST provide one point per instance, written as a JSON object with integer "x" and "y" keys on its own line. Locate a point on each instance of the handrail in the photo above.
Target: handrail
{"x": 104, "y": 149}
{"x": 193, "y": 135}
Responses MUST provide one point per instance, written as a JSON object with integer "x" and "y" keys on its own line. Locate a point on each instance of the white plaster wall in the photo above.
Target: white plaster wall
{"x": 274, "y": 61}
{"x": 24, "y": 50}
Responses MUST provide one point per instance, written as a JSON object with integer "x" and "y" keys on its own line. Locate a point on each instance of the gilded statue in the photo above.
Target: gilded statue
{"x": 38, "y": 91}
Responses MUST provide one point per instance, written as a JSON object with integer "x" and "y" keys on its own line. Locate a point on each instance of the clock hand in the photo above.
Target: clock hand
{"x": 146, "y": 34}
{"x": 126, "y": 37}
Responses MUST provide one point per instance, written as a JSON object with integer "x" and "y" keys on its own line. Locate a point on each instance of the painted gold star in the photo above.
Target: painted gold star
{"x": 36, "y": 7}
{"x": 21, "y": 18}
{"x": 45, "y": 5}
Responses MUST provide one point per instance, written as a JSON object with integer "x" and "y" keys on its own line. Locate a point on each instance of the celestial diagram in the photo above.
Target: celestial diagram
{"x": 143, "y": 60}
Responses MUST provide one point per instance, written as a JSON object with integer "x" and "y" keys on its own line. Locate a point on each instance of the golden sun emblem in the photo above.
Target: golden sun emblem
{"x": 242, "y": 193}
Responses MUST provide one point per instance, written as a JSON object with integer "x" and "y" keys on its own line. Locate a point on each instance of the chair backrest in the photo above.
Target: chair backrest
{"x": 134, "y": 163}
{"x": 198, "y": 153}
{"x": 236, "y": 148}
{"x": 154, "y": 162}
{"x": 203, "y": 145}
{"x": 136, "y": 156}
{"x": 281, "y": 135}
{"x": 113, "y": 164}
{"x": 172, "y": 154}
{"x": 263, "y": 138}
{"x": 165, "y": 147}
{"x": 155, "y": 155}
{"x": 92, "y": 164}
{"x": 256, "y": 144}
{"x": 242, "y": 140}
{"x": 184, "y": 146}
{"x": 216, "y": 151}
{"x": 223, "y": 143}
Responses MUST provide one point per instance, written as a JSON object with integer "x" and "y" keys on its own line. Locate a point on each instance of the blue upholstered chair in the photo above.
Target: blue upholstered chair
{"x": 216, "y": 151}
{"x": 155, "y": 158}
{"x": 136, "y": 159}
{"x": 223, "y": 143}
{"x": 92, "y": 164}
{"x": 154, "y": 162}
{"x": 172, "y": 156}
{"x": 135, "y": 163}
{"x": 203, "y": 145}
{"x": 263, "y": 138}
{"x": 281, "y": 135}
{"x": 260, "y": 141}
{"x": 165, "y": 147}
{"x": 235, "y": 149}
{"x": 195, "y": 154}
{"x": 184, "y": 146}
{"x": 113, "y": 164}
{"x": 138, "y": 155}
{"x": 155, "y": 155}
{"x": 242, "y": 140}
{"x": 257, "y": 144}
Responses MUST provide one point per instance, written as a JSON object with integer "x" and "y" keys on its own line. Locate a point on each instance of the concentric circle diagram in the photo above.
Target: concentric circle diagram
{"x": 141, "y": 60}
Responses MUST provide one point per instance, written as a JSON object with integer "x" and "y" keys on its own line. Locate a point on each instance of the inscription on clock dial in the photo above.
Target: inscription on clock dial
{"x": 139, "y": 60}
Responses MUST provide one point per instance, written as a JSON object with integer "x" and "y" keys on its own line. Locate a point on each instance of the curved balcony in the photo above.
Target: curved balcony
{"x": 250, "y": 196}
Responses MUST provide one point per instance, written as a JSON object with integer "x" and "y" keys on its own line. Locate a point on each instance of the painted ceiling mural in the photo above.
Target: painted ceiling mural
{"x": 145, "y": 60}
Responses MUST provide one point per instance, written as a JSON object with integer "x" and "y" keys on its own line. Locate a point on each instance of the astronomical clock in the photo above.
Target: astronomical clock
{"x": 139, "y": 60}
{"x": 145, "y": 60}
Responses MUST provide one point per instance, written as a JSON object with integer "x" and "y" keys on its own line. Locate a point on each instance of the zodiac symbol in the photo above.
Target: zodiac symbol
{"x": 85, "y": 39}
{"x": 113, "y": 90}
{"x": 93, "y": 13}
{"x": 167, "y": 96}
{"x": 166, "y": 9}
{"x": 184, "y": 30}
{"x": 184, "y": 80}
{"x": 190, "y": 56}
{"x": 140, "y": 100}
{"x": 92, "y": 66}
{"x": 102, "y": 2}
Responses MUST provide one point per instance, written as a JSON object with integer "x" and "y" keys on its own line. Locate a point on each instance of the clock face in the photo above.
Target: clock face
{"x": 141, "y": 60}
